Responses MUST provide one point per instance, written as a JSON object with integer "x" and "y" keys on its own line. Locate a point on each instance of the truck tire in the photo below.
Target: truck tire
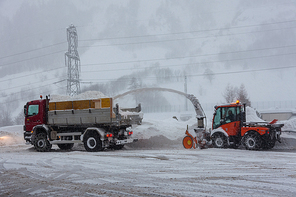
{"x": 41, "y": 143}
{"x": 66, "y": 146}
{"x": 219, "y": 140}
{"x": 92, "y": 142}
{"x": 187, "y": 142}
{"x": 252, "y": 141}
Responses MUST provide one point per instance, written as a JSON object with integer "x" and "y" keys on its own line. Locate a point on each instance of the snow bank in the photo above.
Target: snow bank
{"x": 158, "y": 125}
{"x": 289, "y": 125}
{"x": 12, "y": 135}
{"x": 251, "y": 115}
{"x": 83, "y": 96}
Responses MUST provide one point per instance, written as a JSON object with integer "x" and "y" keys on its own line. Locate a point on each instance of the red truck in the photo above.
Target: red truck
{"x": 95, "y": 123}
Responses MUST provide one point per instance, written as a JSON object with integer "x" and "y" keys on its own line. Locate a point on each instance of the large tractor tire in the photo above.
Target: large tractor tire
{"x": 187, "y": 142}
{"x": 41, "y": 143}
{"x": 268, "y": 144}
{"x": 65, "y": 146}
{"x": 219, "y": 140}
{"x": 252, "y": 141}
{"x": 92, "y": 142}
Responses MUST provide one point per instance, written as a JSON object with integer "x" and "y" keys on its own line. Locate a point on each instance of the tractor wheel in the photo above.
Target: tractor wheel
{"x": 252, "y": 141}
{"x": 65, "y": 146}
{"x": 219, "y": 140}
{"x": 41, "y": 143}
{"x": 92, "y": 142}
{"x": 268, "y": 144}
{"x": 187, "y": 142}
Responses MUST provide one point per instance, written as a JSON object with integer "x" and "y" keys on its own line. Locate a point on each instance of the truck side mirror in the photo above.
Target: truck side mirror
{"x": 25, "y": 110}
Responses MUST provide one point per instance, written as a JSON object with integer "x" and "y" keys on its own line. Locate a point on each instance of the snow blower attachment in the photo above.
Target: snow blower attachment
{"x": 201, "y": 138}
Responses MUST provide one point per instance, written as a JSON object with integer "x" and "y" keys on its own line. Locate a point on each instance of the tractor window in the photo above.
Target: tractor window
{"x": 224, "y": 115}
{"x": 33, "y": 110}
{"x": 217, "y": 118}
{"x": 229, "y": 114}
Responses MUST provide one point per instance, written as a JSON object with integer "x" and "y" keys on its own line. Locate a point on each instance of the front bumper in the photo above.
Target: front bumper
{"x": 27, "y": 136}
{"x": 125, "y": 141}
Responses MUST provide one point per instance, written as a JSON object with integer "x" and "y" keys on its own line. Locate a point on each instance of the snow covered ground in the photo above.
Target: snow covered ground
{"x": 157, "y": 165}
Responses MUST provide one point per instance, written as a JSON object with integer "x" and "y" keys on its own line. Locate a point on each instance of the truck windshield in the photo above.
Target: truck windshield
{"x": 33, "y": 110}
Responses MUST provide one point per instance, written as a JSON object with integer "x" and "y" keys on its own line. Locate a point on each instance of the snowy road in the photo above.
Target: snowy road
{"x": 150, "y": 172}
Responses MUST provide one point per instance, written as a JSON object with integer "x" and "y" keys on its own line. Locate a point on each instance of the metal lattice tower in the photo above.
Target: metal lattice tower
{"x": 72, "y": 60}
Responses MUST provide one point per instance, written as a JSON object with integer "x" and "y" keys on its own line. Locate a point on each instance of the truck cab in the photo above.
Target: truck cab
{"x": 35, "y": 114}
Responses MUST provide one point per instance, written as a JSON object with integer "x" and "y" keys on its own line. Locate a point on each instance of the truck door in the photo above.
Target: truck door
{"x": 34, "y": 115}
{"x": 228, "y": 119}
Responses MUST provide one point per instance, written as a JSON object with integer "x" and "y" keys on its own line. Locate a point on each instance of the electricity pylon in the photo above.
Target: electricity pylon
{"x": 72, "y": 60}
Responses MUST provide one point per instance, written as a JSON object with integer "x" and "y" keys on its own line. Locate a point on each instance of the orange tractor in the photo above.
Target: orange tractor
{"x": 230, "y": 129}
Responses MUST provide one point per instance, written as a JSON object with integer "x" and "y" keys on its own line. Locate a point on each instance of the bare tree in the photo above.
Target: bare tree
{"x": 230, "y": 94}
{"x": 242, "y": 95}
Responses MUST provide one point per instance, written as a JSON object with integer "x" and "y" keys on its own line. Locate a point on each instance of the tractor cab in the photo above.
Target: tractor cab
{"x": 228, "y": 119}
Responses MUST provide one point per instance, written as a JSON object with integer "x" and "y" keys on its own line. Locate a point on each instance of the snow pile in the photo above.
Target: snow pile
{"x": 126, "y": 114}
{"x": 83, "y": 96}
{"x": 12, "y": 135}
{"x": 167, "y": 126}
{"x": 290, "y": 125}
{"x": 251, "y": 115}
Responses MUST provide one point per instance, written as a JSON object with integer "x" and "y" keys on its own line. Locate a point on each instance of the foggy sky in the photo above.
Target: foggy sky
{"x": 233, "y": 34}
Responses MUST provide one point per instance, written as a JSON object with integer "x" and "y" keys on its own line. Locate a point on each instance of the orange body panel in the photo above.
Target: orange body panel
{"x": 260, "y": 130}
{"x": 231, "y": 128}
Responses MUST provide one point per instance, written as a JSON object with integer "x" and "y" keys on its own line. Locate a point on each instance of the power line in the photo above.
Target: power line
{"x": 19, "y": 99}
{"x": 191, "y": 32}
{"x": 24, "y": 85}
{"x": 190, "y": 56}
{"x": 199, "y": 75}
{"x": 35, "y": 73}
{"x": 31, "y": 58}
{"x": 143, "y": 36}
{"x": 232, "y": 52}
{"x": 37, "y": 49}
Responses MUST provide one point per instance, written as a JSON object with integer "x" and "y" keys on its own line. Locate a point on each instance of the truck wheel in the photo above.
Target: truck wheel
{"x": 252, "y": 141}
{"x": 41, "y": 143}
{"x": 219, "y": 140}
{"x": 92, "y": 142}
{"x": 187, "y": 142}
{"x": 65, "y": 146}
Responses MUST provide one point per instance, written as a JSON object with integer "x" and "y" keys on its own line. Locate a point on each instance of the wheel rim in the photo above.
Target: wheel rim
{"x": 187, "y": 142}
{"x": 41, "y": 143}
{"x": 251, "y": 142}
{"x": 91, "y": 142}
{"x": 219, "y": 142}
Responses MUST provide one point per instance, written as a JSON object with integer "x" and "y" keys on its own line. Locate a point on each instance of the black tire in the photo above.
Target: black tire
{"x": 41, "y": 143}
{"x": 219, "y": 140}
{"x": 252, "y": 141}
{"x": 66, "y": 146}
{"x": 92, "y": 142}
{"x": 268, "y": 144}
